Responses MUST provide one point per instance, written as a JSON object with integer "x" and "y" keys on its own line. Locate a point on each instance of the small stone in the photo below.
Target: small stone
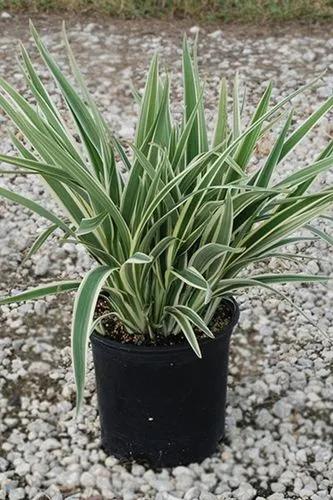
{"x": 184, "y": 482}
{"x": 264, "y": 418}
{"x": 42, "y": 266}
{"x": 161, "y": 484}
{"x": 276, "y": 496}
{"x": 312, "y": 267}
{"x": 180, "y": 470}
{"x": 70, "y": 248}
{"x": 309, "y": 56}
{"x": 16, "y": 494}
{"x": 138, "y": 470}
{"x": 301, "y": 456}
{"x": 90, "y": 27}
{"x": 278, "y": 487}
{"x": 194, "y": 30}
{"x": 24, "y": 309}
{"x": 39, "y": 367}
{"x": 306, "y": 492}
{"x": 53, "y": 492}
{"x": 192, "y": 493}
{"x": 245, "y": 492}
{"x": 110, "y": 461}
{"x": 3, "y": 464}
{"x": 216, "y": 34}
{"x": 298, "y": 484}
{"x": 22, "y": 469}
{"x": 282, "y": 409}
{"x": 40, "y": 307}
{"x": 87, "y": 480}
{"x": 5, "y": 15}
{"x": 70, "y": 479}
{"x": 126, "y": 132}
{"x": 50, "y": 444}
{"x": 206, "y": 495}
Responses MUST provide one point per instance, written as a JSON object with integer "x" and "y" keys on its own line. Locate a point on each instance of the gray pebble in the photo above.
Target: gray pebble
{"x": 16, "y": 494}
{"x": 42, "y": 266}
{"x": 245, "y": 492}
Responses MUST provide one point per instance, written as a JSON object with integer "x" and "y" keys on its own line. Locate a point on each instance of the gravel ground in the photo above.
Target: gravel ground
{"x": 280, "y": 402}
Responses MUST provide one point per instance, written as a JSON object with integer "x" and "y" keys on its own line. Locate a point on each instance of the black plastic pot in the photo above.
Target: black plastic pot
{"x": 162, "y": 405}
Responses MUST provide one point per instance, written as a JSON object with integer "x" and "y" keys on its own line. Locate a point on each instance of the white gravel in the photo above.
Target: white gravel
{"x": 280, "y": 402}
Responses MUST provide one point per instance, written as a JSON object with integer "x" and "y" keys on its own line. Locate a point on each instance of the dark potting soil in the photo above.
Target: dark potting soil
{"x": 114, "y": 328}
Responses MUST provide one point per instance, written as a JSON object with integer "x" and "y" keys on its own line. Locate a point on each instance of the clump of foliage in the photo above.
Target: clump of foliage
{"x": 178, "y": 231}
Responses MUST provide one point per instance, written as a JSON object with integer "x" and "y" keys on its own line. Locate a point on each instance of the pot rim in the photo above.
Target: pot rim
{"x": 114, "y": 344}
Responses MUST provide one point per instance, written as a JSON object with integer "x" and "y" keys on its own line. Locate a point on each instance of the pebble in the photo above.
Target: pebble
{"x": 39, "y": 367}
{"x": 264, "y": 418}
{"x": 3, "y": 464}
{"x": 192, "y": 493}
{"x": 50, "y": 444}
{"x": 282, "y": 409}
{"x": 16, "y": 494}
{"x": 194, "y": 30}
{"x": 87, "y": 480}
{"x": 22, "y": 469}
{"x": 206, "y": 495}
{"x": 216, "y": 34}
{"x": 42, "y": 266}
{"x": 245, "y": 492}
{"x": 5, "y": 15}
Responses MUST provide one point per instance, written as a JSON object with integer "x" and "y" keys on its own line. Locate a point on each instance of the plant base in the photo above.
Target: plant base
{"x": 162, "y": 405}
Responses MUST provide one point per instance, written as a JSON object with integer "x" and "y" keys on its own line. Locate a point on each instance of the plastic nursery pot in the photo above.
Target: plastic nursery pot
{"x": 162, "y": 405}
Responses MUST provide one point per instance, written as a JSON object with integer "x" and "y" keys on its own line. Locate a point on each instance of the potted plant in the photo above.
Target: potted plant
{"x": 174, "y": 226}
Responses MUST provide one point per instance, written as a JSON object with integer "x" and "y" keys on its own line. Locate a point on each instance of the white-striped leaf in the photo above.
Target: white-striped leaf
{"x": 186, "y": 328}
{"x": 83, "y": 312}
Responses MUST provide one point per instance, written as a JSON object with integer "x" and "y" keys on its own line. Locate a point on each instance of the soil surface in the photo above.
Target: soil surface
{"x": 113, "y": 328}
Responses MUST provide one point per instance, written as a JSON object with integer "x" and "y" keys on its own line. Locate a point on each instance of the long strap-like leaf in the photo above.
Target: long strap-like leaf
{"x": 41, "y": 291}
{"x": 84, "y": 308}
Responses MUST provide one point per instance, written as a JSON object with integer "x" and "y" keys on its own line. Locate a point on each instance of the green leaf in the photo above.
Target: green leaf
{"x": 148, "y": 104}
{"x": 191, "y": 277}
{"x": 75, "y": 103}
{"x": 196, "y": 142}
{"x": 40, "y": 240}
{"x": 186, "y": 328}
{"x": 322, "y": 235}
{"x": 236, "y": 117}
{"x": 123, "y": 156}
{"x": 303, "y": 129}
{"x": 89, "y": 224}
{"x": 139, "y": 258}
{"x": 83, "y": 312}
{"x": 34, "y": 207}
{"x": 183, "y": 140}
{"x": 193, "y": 317}
{"x": 264, "y": 175}
{"x": 247, "y": 146}
{"x": 41, "y": 291}
{"x": 208, "y": 254}
{"x": 285, "y": 222}
{"x": 238, "y": 283}
{"x": 194, "y": 278}
{"x": 221, "y": 127}
{"x": 306, "y": 173}
{"x": 290, "y": 278}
